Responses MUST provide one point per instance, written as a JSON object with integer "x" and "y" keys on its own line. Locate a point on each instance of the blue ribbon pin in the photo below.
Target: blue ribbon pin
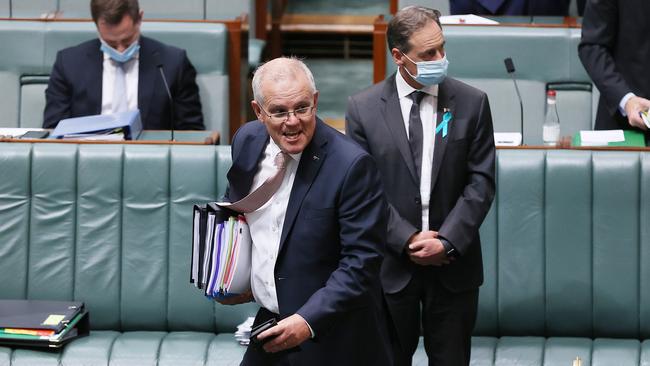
{"x": 446, "y": 118}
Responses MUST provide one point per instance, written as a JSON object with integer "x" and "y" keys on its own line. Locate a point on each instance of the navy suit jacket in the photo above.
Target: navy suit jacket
{"x": 331, "y": 247}
{"x": 75, "y": 86}
{"x": 462, "y": 177}
{"x": 615, "y": 49}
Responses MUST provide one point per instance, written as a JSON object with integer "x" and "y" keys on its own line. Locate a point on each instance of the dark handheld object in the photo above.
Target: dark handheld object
{"x": 261, "y": 328}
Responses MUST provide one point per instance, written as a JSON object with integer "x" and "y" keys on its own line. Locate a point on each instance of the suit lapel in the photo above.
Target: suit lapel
{"x": 243, "y": 170}
{"x": 445, "y": 103}
{"x": 146, "y": 77}
{"x": 310, "y": 162}
{"x": 95, "y": 71}
{"x": 393, "y": 118}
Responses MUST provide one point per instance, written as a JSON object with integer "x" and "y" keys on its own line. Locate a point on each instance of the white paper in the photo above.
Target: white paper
{"x": 17, "y": 132}
{"x": 601, "y": 138}
{"x": 241, "y": 276}
{"x": 466, "y": 19}
{"x": 507, "y": 138}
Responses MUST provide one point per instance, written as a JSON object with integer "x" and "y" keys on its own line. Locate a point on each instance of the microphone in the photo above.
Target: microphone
{"x": 510, "y": 68}
{"x": 159, "y": 65}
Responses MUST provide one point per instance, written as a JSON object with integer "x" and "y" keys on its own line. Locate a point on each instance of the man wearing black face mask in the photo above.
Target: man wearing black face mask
{"x": 433, "y": 142}
{"x": 119, "y": 72}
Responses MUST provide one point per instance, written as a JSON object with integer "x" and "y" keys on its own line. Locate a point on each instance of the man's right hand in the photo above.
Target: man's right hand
{"x": 237, "y": 299}
{"x": 633, "y": 106}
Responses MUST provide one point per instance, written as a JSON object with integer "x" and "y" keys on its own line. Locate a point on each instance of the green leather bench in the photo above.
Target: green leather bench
{"x": 110, "y": 225}
{"x": 30, "y": 47}
{"x": 544, "y": 58}
{"x": 566, "y": 248}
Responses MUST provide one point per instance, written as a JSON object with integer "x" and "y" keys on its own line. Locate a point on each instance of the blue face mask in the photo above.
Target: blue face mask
{"x": 120, "y": 57}
{"x": 430, "y": 72}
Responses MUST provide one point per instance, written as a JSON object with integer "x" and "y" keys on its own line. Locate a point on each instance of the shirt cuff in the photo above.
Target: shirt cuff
{"x": 310, "y": 330}
{"x": 623, "y": 102}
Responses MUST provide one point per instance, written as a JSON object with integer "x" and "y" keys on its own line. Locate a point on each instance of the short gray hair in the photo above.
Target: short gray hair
{"x": 406, "y": 22}
{"x": 269, "y": 70}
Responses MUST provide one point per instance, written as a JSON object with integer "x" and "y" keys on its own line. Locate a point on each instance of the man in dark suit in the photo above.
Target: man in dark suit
{"x": 510, "y": 7}
{"x": 433, "y": 141}
{"x": 319, "y": 240}
{"x": 119, "y": 72}
{"x": 615, "y": 49}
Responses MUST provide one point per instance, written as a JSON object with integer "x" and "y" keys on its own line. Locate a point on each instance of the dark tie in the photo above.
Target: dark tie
{"x": 415, "y": 131}
{"x": 263, "y": 193}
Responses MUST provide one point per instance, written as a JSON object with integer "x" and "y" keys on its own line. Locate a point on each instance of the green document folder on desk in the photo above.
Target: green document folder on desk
{"x": 632, "y": 139}
{"x": 36, "y": 323}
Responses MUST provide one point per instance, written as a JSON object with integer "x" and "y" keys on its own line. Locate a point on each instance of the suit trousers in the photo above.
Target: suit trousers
{"x": 445, "y": 318}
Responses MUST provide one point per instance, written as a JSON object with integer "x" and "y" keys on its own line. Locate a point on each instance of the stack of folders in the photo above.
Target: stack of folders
{"x": 36, "y": 323}
{"x": 221, "y": 251}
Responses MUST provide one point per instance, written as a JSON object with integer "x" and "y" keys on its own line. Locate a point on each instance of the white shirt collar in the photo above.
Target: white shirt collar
{"x": 404, "y": 89}
{"x": 275, "y": 149}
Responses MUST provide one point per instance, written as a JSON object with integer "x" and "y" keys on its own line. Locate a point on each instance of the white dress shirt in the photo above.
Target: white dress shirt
{"x": 266, "y": 227}
{"x": 108, "y": 81}
{"x": 428, "y": 116}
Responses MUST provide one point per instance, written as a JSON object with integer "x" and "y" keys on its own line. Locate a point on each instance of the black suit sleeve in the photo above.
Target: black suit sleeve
{"x": 187, "y": 103}
{"x": 57, "y": 95}
{"x": 399, "y": 229}
{"x": 599, "y": 36}
{"x": 461, "y": 226}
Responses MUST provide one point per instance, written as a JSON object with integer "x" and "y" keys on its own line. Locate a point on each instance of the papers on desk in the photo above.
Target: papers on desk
{"x": 221, "y": 251}
{"x": 601, "y": 138}
{"x": 466, "y": 19}
{"x": 507, "y": 138}
{"x": 16, "y": 132}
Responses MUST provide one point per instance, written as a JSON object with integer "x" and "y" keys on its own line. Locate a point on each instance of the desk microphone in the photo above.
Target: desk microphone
{"x": 159, "y": 65}
{"x": 510, "y": 68}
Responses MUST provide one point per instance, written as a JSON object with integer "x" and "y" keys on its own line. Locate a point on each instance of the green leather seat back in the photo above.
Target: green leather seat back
{"x": 440, "y": 5}
{"x": 565, "y": 245}
{"x": 33, "y": 8}
{"x": 110, "y": 225}
{"x": 32, "y": 100}
{"x": 22, "y": 54}
{"x": 4, "y": 8}
{"x": 172, "y": 9}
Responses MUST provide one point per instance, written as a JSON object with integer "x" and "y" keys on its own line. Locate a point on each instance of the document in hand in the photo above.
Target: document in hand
{"x": 40, "y": 323}
{"x": 124, "y": 126}
{"x": 221, "y": 251}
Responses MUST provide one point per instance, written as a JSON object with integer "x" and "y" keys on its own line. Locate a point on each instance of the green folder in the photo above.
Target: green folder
{"x": 632, "y": 139}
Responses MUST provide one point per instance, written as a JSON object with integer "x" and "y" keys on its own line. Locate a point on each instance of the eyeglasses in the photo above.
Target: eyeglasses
{"x": 300, "y": 113}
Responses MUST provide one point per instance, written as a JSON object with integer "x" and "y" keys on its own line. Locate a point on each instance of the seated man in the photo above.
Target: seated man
{"x": 120, "y": 72}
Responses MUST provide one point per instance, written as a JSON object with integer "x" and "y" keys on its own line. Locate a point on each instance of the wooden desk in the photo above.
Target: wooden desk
{"x": 150, "y": 137}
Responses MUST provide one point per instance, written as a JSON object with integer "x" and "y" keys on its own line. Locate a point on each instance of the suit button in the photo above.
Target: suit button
{"x": 417, "y": 200}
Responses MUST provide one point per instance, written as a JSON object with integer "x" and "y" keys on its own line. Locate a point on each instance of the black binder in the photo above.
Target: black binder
{"x": 64, "y": 319}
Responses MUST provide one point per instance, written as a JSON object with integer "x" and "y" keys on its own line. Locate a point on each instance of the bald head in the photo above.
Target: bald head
{"x": 282, "y": 69}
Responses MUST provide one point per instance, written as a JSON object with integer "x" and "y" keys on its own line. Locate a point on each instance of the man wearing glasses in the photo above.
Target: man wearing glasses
{"x": 318, "y": 237}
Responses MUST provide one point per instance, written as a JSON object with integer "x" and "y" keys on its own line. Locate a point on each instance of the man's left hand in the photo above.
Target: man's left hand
{"x": 428, "y": 252}
{"x": 290, "y": 332}
{"x": 633, "y": 107}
